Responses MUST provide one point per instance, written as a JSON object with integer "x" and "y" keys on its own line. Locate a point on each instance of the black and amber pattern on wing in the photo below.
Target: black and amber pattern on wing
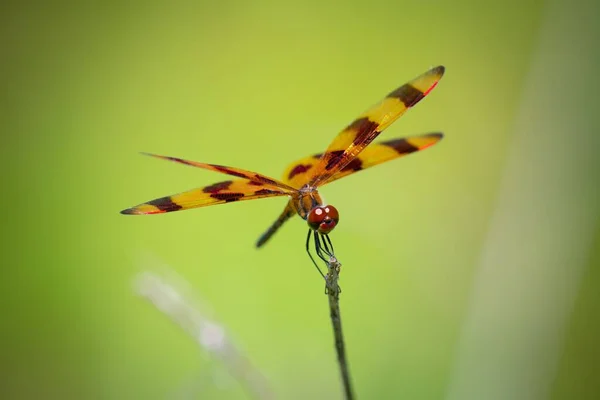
{"x": 237, "y": 172}
{"x": 298, "y": 173}
{"x": 218, "y": 193}
{"x": 362, "y": 131}
{"x": 378, "y": 153}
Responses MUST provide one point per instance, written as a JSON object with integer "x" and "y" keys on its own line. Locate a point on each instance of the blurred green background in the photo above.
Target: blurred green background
{"x": 470, "y": 271}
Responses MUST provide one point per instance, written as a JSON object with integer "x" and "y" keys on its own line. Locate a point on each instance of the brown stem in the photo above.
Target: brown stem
{"x": 333, "y": 293}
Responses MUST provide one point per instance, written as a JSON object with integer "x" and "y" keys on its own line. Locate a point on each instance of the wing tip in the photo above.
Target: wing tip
{"x": 142, "y": 209}
{"x": 137, "y": 211}
{"x": 130, "y": 211}
{"x": 439, "y": 70}
{"x": 435, "y": 136}
{"x": 145, "y": 153}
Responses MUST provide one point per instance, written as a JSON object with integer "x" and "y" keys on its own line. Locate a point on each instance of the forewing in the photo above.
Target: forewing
{"x": 218, "y": 193}
{"x": 238, "y": 172}
{"x": 362, "y": 131}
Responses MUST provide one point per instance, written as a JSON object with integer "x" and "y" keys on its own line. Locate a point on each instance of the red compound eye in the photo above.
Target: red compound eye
{"x": 323, "y": 218}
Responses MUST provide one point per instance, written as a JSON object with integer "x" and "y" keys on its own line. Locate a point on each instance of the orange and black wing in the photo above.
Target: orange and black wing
{"x": 237, "y": 172}
{"x": 252, "y": 186}
{"x": 362, "y": 131}
{"x": 296, "y": 174}
{"x": 218, "y": 193}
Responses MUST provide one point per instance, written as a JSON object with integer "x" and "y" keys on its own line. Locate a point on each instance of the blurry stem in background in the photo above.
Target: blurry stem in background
{"x": 209, "y": 335}
{"x": 541, "y": 232}
{"x": 333, "y": 294}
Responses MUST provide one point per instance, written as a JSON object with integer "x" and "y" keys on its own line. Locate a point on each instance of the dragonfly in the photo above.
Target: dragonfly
{"x": 351, "y": 151}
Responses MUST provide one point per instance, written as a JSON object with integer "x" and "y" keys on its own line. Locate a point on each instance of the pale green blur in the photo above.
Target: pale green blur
{"x": 257, "y": 85}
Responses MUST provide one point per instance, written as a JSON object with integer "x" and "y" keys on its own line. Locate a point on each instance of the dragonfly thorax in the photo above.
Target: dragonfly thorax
{"x": 323, "y": 218}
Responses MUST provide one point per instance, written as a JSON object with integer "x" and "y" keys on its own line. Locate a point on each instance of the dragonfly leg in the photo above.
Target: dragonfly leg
{"x": 330, "y": 244}
{"x": 327, "y": 244}
{"x": 320, "y": 249}
{"x": 310, "y": 255}
{"x": 324, "y": 250}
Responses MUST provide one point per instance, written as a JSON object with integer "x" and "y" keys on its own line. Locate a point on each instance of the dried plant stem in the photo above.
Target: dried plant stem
{"x": 186, "y": 311}
{"x": 333, "y": 294}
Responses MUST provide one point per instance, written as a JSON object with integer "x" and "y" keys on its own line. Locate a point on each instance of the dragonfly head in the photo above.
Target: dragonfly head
{"x": 323, "y": 219}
